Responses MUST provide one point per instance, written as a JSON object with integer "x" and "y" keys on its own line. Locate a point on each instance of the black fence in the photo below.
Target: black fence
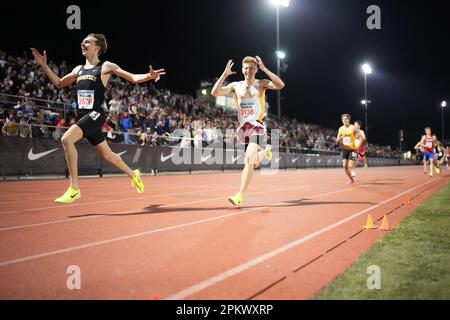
{"x": 31, "y": 157}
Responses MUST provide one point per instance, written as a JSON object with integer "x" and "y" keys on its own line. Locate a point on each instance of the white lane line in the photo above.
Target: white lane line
{"x": 154, "y": 186}
{"x": 231, "y": 272}
{"x": 150, "y": 190}
{"x": 100, "y": 215}
{"x": 107, "y": 201}
{"x": 97, "y": 202}
{"x": 135, "y": 235}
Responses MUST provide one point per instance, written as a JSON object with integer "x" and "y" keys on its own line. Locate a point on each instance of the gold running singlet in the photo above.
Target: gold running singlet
{"x": 348, "y": 142}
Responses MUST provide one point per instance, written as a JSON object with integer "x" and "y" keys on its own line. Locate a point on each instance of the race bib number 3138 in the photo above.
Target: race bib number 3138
{"x": 85, "y": 99}
{"x": 247, "y": 112}
{"x": 247, "y": 109}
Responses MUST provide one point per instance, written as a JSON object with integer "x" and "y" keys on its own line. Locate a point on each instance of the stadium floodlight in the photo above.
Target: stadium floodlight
{"x": 204, "y": 92}
{"x": 280, "y": 54}
{"x": 283, "y": 3}
{"x": 366, "y": 68}
{"x": 444, "y": 104}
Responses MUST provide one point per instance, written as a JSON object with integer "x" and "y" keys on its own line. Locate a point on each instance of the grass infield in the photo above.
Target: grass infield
{"x": 413, "y": 259}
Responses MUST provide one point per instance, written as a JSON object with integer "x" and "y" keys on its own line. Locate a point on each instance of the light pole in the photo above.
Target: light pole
{"x": 280, "y": 54}
{"x": 401, "y": 139}
{"x": 367, "y": 70}
{"x": 365, "y": 103}
{"x": 443, "y": 105}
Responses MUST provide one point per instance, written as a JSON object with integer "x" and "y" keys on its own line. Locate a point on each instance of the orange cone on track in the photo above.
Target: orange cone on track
{"x": 385, "y": 224}
{"x": 369, "y": 223}
{"x": 407, "y": 200}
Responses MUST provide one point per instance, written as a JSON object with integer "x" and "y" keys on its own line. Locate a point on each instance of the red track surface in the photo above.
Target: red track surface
{"x": 296, "y": 232}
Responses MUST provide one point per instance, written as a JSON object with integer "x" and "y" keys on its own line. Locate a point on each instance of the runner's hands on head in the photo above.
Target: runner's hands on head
{"x": 156, "y": 74}
{"x": 228, "y": 70}
{"x": 39, "y": 58}
{"x": 261, "y": 65}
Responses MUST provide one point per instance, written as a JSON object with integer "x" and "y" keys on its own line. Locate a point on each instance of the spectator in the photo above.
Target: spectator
{"x": 145, "y": 137}
{"x": 186, "y": 139}
{"x": 10, "y": 128}
{"x": 45, "y": 132}
{"x": 60, "y": 128}
{"x": 157, "y": 112}
{"x": 111, "y": 136}
{"x": 24, "y": 128}
{"x": 125, "y": 126}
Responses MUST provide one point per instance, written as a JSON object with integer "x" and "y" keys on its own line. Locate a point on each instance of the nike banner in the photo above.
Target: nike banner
{"x": 20, "y": 157}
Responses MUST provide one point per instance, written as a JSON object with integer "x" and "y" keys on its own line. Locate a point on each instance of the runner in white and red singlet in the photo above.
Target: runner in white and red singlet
{"x": 250, "y": 100}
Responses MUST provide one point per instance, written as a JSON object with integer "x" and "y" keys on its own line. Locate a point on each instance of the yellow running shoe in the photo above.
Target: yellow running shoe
{"x": 137, "y": 182}
{"x": 69, "y": 196}
{"x": 237, "y": 199}
{"x": 438, "y": 171}
{"x": 269, "y": 152}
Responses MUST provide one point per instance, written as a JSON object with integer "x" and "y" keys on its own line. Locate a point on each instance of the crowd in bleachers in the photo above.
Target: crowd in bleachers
{"x": 138, "y": 113}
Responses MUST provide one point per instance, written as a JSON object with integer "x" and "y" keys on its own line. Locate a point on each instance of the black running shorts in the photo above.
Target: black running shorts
{"x": 348, "y": 155}
{"x": 91, "y": 124}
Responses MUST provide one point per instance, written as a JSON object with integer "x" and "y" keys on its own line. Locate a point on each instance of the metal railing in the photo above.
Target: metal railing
{"x": 167, "y": 139}
{"x": 11, "y": 99}
{"x": 133, "y": 137}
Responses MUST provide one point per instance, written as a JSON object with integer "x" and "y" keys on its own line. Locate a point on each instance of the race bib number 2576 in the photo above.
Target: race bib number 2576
{"x": 85, "y": 99}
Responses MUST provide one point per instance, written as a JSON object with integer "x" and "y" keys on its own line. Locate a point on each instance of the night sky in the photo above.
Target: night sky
{"x": 326, "y": 42}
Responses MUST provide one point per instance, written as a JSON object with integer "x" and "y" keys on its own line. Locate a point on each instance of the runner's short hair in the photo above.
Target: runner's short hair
{"x": 346, "y": 115}
{"x": 249, "y": 59}
{"x": 359, "y": 123}
{"x": 100, "y": 40}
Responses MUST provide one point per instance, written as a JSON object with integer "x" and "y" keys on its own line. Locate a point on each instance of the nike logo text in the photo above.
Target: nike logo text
{"x": 203, "y": 159}
{"x": 34, "y": 156}
{"x": 165, "y": 158}
{"x": 233, "y": 159}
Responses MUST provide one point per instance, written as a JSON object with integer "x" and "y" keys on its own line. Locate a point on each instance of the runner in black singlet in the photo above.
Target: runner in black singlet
{"x": 91, "y": 79}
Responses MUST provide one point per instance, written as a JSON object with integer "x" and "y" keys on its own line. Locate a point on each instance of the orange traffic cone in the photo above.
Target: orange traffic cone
{"x": 407, "y": 200}
{"x": 385, "y": 224}
{"x": 369, "y": 223}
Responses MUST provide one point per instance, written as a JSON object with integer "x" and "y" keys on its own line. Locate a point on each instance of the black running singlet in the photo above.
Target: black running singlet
{"x": 90, "y": 89}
